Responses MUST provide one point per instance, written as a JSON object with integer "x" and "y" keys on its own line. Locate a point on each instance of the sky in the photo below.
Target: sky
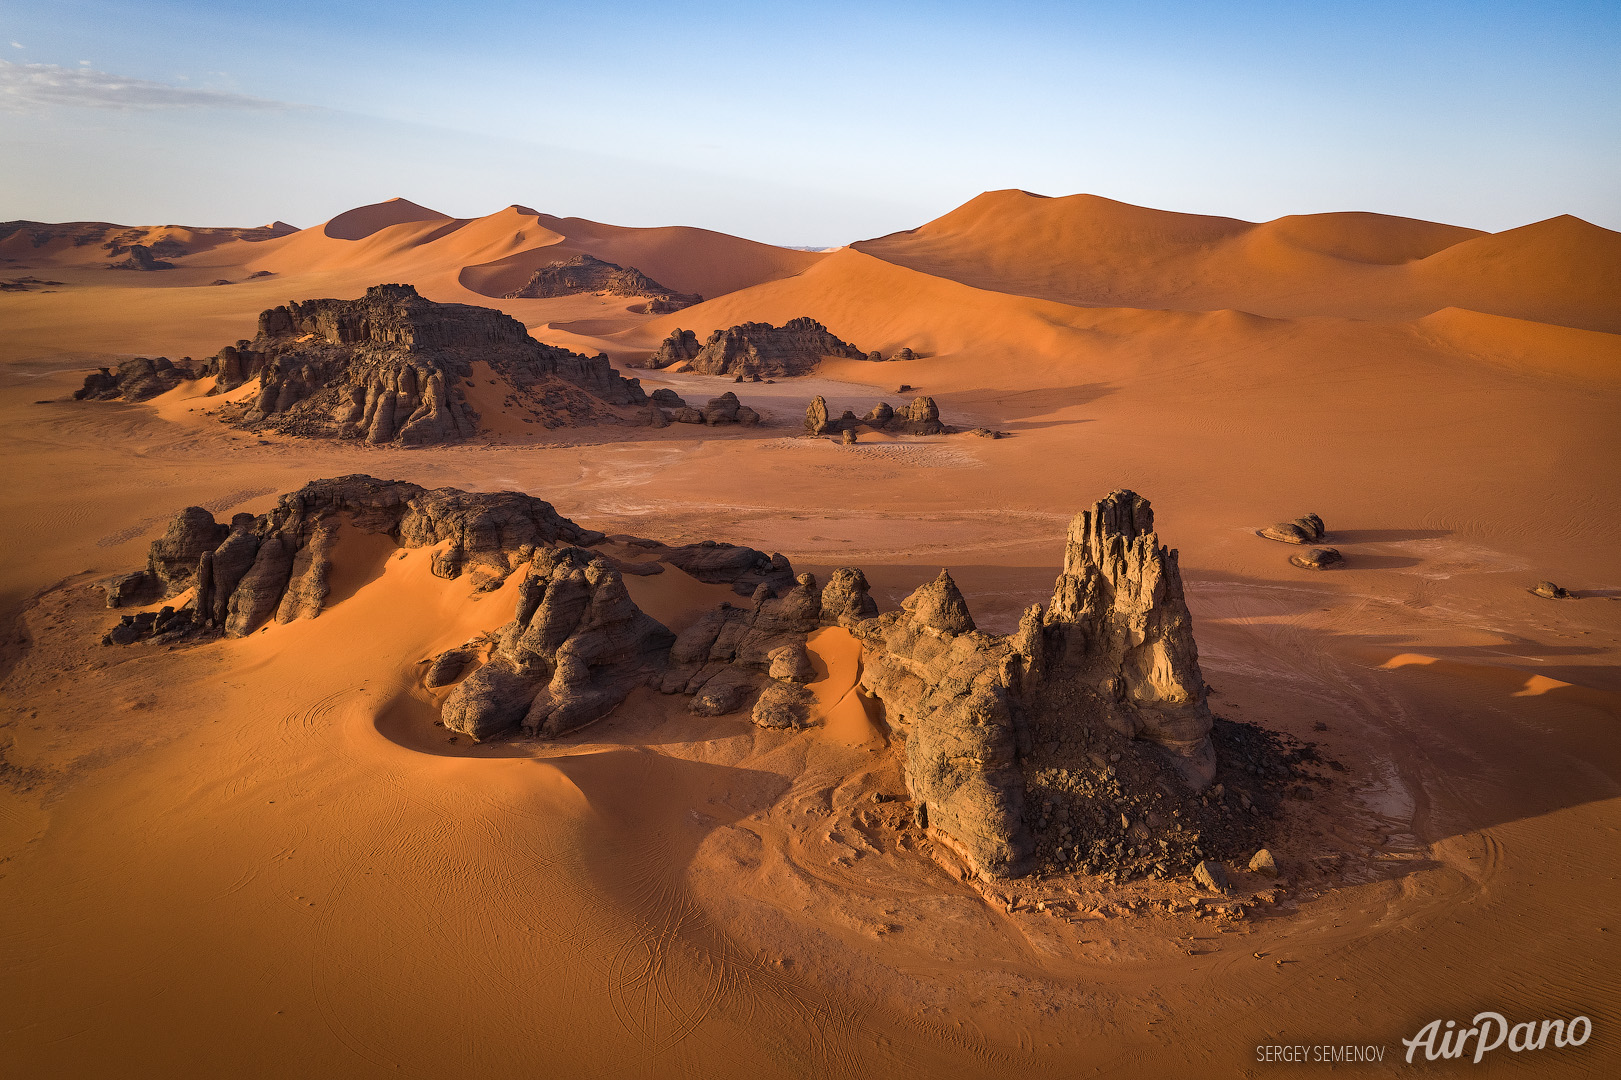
{"x": 812, "y": 124}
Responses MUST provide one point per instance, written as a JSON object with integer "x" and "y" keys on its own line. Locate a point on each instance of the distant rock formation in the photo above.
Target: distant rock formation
{"x": 1302, "y": 530}
{"x": 755, "y": 349}
{"x": 135, "y": 380}
{"x": 142, "y": 257}
{"x": 589, "y": 274}
{"x": 921, "y": 417}
{"x": 392, "y": 367}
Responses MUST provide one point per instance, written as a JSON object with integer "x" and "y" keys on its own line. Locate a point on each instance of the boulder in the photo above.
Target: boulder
{"x": 849, "y": 437}
{"x": 1263, "y": 863}
{"x": 134, "y": 380}
{"x": 1303, "y": 530}
{"x": 1211, "y": 875}
{"x": 1550, "y": 591}
{"x": 1325, "y": 558}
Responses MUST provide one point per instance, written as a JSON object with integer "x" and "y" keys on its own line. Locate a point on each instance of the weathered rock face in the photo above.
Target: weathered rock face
{"x": 1119, "y": 624}
{"x": 576, "y": 647}
{"x": 392, "y": 367}
{"x": 134, "y": 380}
{"x": 743, "y": 568}
{"x": 142, "y": 257}
{"x": 1323, "y": 558}
{"x": 588, "y": 274}
{"x": 1114, "y": 652}
{"x": 755, "y": 349}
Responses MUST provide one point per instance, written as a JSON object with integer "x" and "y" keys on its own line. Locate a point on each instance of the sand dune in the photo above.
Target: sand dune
{"x": 362, "y": 221}
{"x": 1090, "y": 251}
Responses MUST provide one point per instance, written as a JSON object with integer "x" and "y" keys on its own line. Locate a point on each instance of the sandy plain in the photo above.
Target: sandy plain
{"x": 259, "y": 857}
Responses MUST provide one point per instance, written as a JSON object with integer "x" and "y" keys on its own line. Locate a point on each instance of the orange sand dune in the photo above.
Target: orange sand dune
{"x": 362, "y": 221}
{"x": 1086, "y": 250}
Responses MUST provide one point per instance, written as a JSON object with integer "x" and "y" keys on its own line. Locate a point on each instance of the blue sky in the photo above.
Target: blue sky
{"x": 812, "y": 124}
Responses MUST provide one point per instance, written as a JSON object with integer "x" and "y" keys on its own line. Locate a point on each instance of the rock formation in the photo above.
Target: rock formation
{"x": 134, "y": 380}
{"x": 142, "y": 257}
{"x": 1549, "y": 591}
{"x": 921, "y": 417}
{"x": 1303, "y": 530}
{"x": 575, "y": 648}
{"x": 755, "y": 349}
{"x": 1082, "y": 741}
{"x": 392, "y": 367}
{"x": 588, "y": 274}
{"x": 275, "y": 565}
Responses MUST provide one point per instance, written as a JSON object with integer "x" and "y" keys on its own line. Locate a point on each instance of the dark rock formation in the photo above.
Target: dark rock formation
{"x": 392, "y": 367}
{"x": 1550, "y": 591}
{"x": 921, "y": 417}
{"x": 904, "y": 354}
{"x": 134, "y": 380}
{"x": 276, "y": 564}
{"x": 754, "y": 348}
{"x": 576, "y": 647}
{"x": 1303, "y": 530}
{"x": 589, "y": 274}
{"x": 142, "y": 257}
{"x": 726, "y": 410}
{"x": 680, "y": 345}
{"x": 665, "y": 398}
{"x": 1325, "y": 558}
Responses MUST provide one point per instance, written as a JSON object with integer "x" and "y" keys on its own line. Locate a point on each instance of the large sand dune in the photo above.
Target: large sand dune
{"x": 260, "y": 858}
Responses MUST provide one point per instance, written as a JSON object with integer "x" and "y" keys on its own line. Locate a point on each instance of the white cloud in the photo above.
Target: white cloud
{"x": 17, "y": 45}
{"x": 28, "y": 87}
{"x": 84, "y": 63}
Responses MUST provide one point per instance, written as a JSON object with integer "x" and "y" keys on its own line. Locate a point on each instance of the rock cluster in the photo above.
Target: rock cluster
{"x": 135, "y": 380}
{"x": 588, "y": 274}
{"x": 920, "y": 417}
{"x": 392, "y": 367}
{"x": 755, "y": 349}
{"x": 725, "y": 409}
{"x": 142, "y": 257}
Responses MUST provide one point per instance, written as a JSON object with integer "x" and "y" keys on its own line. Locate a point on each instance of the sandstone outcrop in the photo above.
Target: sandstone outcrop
{"x": 393, "y": 367}
{"x": 134, "y": 380}
{"x": 755, "y": 349}
{"x": 1302, "y": 530}
{"x": 142, "y": 257}
{"x": 589, "y": 274}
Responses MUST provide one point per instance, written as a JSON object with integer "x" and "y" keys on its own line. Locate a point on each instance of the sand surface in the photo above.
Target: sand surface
{"x": 261, "y": 857}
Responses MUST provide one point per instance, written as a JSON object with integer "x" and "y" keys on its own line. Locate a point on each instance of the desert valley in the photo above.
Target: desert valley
{"x": 1063, "y": 638}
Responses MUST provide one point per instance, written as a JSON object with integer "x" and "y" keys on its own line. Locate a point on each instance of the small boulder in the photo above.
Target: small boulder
{"x": 1318, "y": 559}
{"x": 849, "y": 437}
{"x": 1551, "y": 591}
{"x": 1212, "y": 875}
{"x": 1263, "y": 863}
{"x": 875, "y": 356}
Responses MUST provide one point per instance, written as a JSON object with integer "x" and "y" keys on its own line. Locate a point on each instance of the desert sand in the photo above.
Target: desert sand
{"x": 259, "y": 857}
